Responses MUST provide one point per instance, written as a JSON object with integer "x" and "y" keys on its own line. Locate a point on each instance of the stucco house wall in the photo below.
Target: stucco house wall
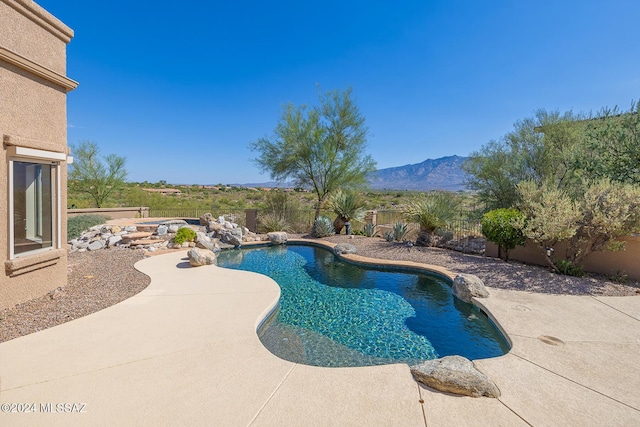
{"x": 609, "y": 263}
{"x": 33, "y": 123}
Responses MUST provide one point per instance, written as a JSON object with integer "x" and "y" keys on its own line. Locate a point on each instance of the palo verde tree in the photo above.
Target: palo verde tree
{"x": 321, "y": 148}
{"x": 90, "y": 175}
{"x": 542, "y": 148}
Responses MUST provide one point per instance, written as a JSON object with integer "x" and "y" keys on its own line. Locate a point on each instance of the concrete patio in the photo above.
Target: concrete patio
{"x": 185, "y": 352}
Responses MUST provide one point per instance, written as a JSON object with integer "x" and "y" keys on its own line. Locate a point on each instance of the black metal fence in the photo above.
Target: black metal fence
{"x": 467, "y": 222}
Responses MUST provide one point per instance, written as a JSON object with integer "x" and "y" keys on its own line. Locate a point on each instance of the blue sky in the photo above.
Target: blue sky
{"x": 182, "y": 89}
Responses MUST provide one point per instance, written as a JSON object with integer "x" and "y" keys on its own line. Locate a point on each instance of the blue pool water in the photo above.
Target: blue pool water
{"x": 338, "y": 314}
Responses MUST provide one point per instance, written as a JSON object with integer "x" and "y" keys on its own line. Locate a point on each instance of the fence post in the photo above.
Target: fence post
{"x": 371, "y": 217}
{"x": 251, "y": 219}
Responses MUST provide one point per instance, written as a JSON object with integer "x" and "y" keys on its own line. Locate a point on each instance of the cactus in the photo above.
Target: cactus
{"x": 369, "y": 229}
{"x": 322, "y": 227}
{"x": 388, "y": 236}
{"x": 399, "y": 230}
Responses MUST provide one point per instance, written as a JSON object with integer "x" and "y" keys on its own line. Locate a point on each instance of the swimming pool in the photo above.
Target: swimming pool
{"x": 334, "y": 313}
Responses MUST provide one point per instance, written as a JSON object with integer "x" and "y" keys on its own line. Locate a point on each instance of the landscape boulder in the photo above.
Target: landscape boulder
{"x": 277, "y": 237}
{"x": 203, "y": 241}
{"x": 455, "y": 374}
{"x": 95, "y": 245}
{"x": 344, "y": 249}
{"x": 206, "y": 219}
{"x": 199, "y": 257}
{"x": 162, "y": 230}
{"x": 467, "y": 286}
{"x": 231, "y": 236}
{"x": 113, "y": 240}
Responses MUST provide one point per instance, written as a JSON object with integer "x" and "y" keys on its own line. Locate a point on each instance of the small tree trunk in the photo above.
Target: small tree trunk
{"x": 548, "y": 259}
{"x": 339, "y": 223}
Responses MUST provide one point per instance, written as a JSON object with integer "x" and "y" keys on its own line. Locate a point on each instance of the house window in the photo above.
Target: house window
{"x": 32, "y": 206}
{"x": 34, "y": 200}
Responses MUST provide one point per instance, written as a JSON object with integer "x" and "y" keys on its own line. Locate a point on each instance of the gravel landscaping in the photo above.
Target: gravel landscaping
{"x": 99, "y": 279}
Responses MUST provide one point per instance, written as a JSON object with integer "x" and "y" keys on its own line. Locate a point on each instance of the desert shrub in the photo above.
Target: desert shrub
{"x": 322, "y": 227}
{"x": 273, "y": 222}
{"x": 399, "y": 230}
{"x": 568, "y": 268}
{"x": 592, "y": 220}
{"x": 444, "y": 234}
{"x": 369, "y": 229}
{"x": 184, "y": 234}
{"x": 498, "y": 227}
{"x": 388, "y": 236}
{"x": 78, "y": 224}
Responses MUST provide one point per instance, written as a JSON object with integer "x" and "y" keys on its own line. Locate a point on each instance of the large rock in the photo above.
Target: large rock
{"x": 277, "y": 237}
{"x": 455, "y": 374}
{"x": 203, "y": 241}
{"x": 205, "y": 219}
{"x": 162, "y": 230}
{"x": 96, "y": 245}
{"x": 344, "y": 249}
{"x": 467, "y": 286}
{"x": 231, "y": 236}
{"x": 199, "y": 257}
{"x": 113, "y": 240}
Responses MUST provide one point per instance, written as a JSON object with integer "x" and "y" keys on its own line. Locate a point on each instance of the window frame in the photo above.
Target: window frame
{"x": 35, "y": 156}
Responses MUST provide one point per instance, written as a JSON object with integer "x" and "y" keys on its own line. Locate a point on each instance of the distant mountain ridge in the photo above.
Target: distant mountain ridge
{"x": 444, "y": 173}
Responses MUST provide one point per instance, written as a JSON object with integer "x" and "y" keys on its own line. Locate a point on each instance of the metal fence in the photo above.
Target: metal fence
{"x": 466, "y": 223}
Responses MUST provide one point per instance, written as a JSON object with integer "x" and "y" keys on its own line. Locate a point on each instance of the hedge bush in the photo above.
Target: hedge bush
{"x": 78, "y": 224}
{"x": 497, "y": 227}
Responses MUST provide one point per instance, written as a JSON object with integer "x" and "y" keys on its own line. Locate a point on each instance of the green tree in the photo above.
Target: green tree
{"x": 322, "y": 148}
{"x": 613, "y": 145}
{"x": 540, "y": 148}
{"x": 498, "y": 227}
{"x": 90, "y": 175}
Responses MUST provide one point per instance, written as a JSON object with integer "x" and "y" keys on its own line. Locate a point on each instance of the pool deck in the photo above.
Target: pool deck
{"x": 185, "y": 352}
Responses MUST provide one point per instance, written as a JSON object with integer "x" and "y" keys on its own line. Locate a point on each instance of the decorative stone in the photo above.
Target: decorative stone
{"x": 455, "y": 374}
{"x": 173, "y": 228}
{"x": 115, "y": 229}
{"x": 131, "y": 229}
{"x": 467, "y": 286}
{"x": 203, "y": 241}
{"x": 126, "y": 238}
{"x": 96, "y": 245}
{"x": 113, "y": 240}
{"x": 277, "y": 237}
{"x": 205, "y": 219}
{"x": 162, "y": 230}
{"x": 199, "y": 257}
{"x": 231, "y": 236}
{"x": 344, "y": 249}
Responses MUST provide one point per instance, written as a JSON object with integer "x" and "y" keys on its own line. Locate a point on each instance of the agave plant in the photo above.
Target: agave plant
{"x": 369, "y": 229}
{"x": 347, "y": 206}
{"x": 432, "y": 211}
{"x": 322, "y": 227}
{"x": 399, "y": 230}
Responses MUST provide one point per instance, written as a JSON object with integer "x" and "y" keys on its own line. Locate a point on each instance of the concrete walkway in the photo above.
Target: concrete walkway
{"x": 185, "y": 352}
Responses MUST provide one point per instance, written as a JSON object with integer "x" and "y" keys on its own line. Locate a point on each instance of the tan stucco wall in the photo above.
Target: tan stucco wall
{"x": 604, "y": 262}
{"x": 32, "y": 114}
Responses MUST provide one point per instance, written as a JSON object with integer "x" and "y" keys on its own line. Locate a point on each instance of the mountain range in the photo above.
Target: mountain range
{"x": 444, "y": 173}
